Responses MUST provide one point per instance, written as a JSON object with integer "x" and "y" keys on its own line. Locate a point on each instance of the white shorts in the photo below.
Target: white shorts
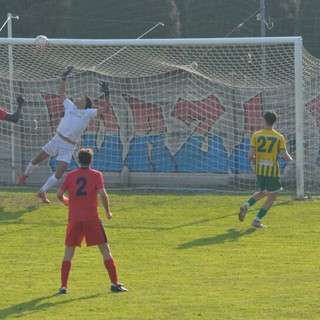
{"x": 57, "y": 146}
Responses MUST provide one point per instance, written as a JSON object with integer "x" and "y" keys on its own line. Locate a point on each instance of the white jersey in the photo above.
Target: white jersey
{"x": 75, "y": 120}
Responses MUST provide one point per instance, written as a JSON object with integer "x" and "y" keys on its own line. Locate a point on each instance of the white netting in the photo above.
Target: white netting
{"x": 182, "y": 115}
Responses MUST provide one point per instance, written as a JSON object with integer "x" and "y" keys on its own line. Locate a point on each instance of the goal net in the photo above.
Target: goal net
{"x": 182, "y": 110}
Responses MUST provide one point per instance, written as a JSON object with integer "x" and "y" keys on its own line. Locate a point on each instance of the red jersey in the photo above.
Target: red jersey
{"x": 82, "y": 186}
{"x": 3, "y": 114}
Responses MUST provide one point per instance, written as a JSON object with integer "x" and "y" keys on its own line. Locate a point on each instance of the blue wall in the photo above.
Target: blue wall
{"x": 149, "y": 154}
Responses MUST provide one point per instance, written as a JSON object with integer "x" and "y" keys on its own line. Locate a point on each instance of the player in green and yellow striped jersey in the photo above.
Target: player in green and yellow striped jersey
{"x": 265, "y": 147}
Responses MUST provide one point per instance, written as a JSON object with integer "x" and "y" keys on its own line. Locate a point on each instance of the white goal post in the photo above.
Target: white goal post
{"x": 183, "y": 109}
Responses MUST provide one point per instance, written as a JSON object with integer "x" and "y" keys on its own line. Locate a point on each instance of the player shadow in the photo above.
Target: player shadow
{"x": 6, "y": 217}
{"x": 230, "y": 236}
{"x": 35, "y": 305}
{"x": 161, "y": 228}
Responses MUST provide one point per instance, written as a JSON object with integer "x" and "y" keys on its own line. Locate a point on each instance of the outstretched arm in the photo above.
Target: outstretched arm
{"x": 106, "y": 98}
{"x": 252, "y": 153}
{"x": 14, "y": 117}
{"x": 62, "y": 197}
{"x": 62, "y": 89}
{"x": 285, "y": 155}
{"x": 105, "y": 202}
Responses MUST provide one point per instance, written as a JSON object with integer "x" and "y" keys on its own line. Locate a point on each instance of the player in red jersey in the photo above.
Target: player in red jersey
{"x": 83, "y": 186}
{"x": 13, "y": 117}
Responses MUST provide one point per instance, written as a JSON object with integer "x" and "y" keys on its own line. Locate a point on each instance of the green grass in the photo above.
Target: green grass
{"x": 182, "y": 256}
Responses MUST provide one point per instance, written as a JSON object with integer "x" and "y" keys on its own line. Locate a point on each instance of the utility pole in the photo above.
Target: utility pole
{"x": 262, "y": 18}
{"x": 10, "y": 58}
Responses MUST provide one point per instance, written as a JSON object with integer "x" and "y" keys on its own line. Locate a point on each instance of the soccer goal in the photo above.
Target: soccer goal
{"x": 183, "y": 109}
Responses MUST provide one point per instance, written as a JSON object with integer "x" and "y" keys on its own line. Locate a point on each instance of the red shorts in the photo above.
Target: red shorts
{"x": 92, "y": 231}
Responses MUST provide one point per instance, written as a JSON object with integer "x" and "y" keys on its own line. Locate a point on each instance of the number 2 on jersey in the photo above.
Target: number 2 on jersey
{"x": 82, "y": 182}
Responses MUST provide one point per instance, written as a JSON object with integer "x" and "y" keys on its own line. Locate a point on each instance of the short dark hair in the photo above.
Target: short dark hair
{"x": 89, "y": 102}
{"x": 85, "y": 156}
{"x": 270, "y": 117}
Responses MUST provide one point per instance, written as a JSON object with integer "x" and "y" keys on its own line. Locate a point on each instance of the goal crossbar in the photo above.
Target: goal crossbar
{"x": 157, "y": 42}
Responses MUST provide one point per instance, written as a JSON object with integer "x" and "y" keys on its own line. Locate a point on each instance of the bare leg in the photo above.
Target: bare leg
{"x": 109, "y": 263}
{"x": 69, "y": 253}
{"x": 33, "y": 164}
{"x": 42, "y": 155}
{"x": 105, "y": 251}
{"x": 259, "y": 195}
{"x": 61, "y": 168}
{"x": 264, "y": 209}
{"x": 245, "y": 207}
{"x": 272, "y": 196}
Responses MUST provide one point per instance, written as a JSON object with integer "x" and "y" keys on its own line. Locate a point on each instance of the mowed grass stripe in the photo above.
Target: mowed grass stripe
{"x": 181, "y": 255}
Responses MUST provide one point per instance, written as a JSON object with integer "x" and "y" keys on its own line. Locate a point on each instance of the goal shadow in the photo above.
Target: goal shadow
{"x": 230, "y": 235}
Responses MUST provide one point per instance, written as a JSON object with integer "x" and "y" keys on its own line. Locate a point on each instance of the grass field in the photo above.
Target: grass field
{"x": 182, "y": 256}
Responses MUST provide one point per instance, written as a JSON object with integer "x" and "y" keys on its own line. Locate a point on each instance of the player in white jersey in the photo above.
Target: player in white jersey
{"x": 76, "y": 119}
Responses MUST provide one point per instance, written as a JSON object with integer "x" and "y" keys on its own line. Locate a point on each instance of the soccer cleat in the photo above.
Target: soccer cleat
{"x": 62, "y": 290}
{"x": 43, "y": 197}
{"x": 243, "y": 212}
{"x": 258, "y": 224}
{"x": 118, "y": 288}
{"x": 21, "y": 179}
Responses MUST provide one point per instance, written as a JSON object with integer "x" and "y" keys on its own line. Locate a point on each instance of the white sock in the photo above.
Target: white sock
{"x": 30, "y": 168}
{"x": 247, "y": 205}
{"x": 49, "y": 184}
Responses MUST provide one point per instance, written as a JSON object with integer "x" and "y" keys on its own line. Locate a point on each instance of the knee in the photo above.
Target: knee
{"x": 35, "y": 161}
{"x": 273, "y": 196}
{"x": 263, "y": 194}
{"x": 108, "y": 254}
{"x": 58, "y": 175}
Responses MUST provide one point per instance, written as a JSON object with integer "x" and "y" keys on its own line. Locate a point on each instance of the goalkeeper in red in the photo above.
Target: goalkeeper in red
{"x": 72, "y": 125}
{"x": 83, "y": 186}
{"x": 265, "y": 147}
{"x": 13, "y": 117}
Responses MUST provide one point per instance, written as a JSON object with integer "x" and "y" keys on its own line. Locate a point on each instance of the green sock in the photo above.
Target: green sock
{"x": 251, "y": 201}
{"x": 262, "y": 212}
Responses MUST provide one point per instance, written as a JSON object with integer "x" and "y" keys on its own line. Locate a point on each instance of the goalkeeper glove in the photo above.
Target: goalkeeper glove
{"x": 65, "y": 72}
{"x": 20, "y": 100}
{"x": 105, "y": 88}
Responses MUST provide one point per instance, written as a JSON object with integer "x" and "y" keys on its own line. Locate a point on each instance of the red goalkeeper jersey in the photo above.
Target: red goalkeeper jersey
{"x": 3, "y": 114}
{"x": 82, "y": 186}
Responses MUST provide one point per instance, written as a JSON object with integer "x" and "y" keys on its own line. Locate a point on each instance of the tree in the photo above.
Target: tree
{"x": 37, "y": 17}
{"x": 14, "y": 8}
{"x": 114, "y": 19}
{"x": 218, "y": 18}
{"x": 308, "y": 25}
{"x": 283, "y": 15}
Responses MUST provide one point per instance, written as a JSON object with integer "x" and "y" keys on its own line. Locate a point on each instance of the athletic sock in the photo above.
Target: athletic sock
{"x": 49, "y": 184}
{"x": 250, "y": 202}
{"x": 262, "y": 212}
{"x": 112, "y": 270}
{"x": 65, "y": 270}
{"x": 30, "y": 168}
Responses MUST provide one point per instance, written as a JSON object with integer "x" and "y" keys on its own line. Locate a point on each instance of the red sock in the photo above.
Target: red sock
{"x": 112, "y": 270}
{"x": 65, "y": 270}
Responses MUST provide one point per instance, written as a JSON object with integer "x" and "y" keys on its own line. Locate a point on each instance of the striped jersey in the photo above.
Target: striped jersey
{"x": 267, "y": 144}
